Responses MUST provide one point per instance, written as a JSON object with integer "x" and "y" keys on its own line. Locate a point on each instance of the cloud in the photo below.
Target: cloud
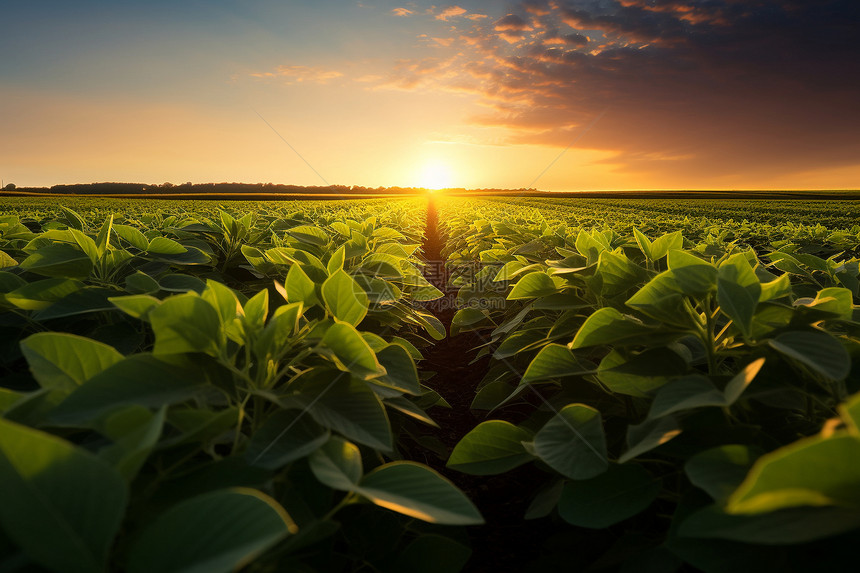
{"x": 450, "y": 12}
{"x": 401, "y": 12}
{"x": 511, "y": 22}
{"x": 712, "y": 89}
{"x": 300, "y": 74}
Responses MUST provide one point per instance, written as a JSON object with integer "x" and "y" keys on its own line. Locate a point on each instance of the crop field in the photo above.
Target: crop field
{"x": 434, "y": 384}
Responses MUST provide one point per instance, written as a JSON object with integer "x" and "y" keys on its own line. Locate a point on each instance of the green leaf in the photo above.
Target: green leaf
{"x": 617, "y": 273}
{"x": 432, "y": 553}
{"x": 602, "y": 501}
{"x": 60, "y": 504}
{"x": 644, "y": 243}
{"x": 573, "y": 442}
{"x": 850, "y": 412}
{"x": 135, "y": 431}
{"x": 533, "y": 285}
{"x": 608, "y": 326}
{"x": 164, "y": 246}
{"x": 640, "y": 374}
{"x": 141, "y": 283}
{"x": 223, "y": 300}
{"x": 418, "y": 491}
{"x": 693, "y": 276}
{"x": 742, "y": 379}
{"x": 648, "y": 435}
{"x": 666, "y": 244}
{"x": 554, "y": 361}
{"x": 59, "y": 260}
{"x": 814, "y": 471}
{"x": 335, "y": 263}
{"x": 819, "y": 351}
{"x": 72, "y": 219}
{"x": 185, "y": 323}
{"x": 103, "y": 237}
{"x": 350, "y": 351}
{"x": 181, "y": 283}
{"x": 276, "y": 334}
{"x": 492, "y": 447}
{"x": 719, "y": 471}
{"x": 137, "y": 306}
{"x": 257, "y": 309}
{"x": 217, "y": 532}
{"x": 344, "y": 298}
{"x": 65, "y": 361}
{"x": 694, "y": 391}
{"x": 347, "y": 406}
{"x": 285, "y": 436}
{"x": 140, "y": 379}
{"x": 337, "y": 464}
{"x": 133, "y": 236}
{"x": 400, "y": 370}
{"x": 738, "y": 291}
{"x": 39, "y": 295}
{"x": 782, "y": 527}
{"x": 660, "y": 299}
{"x": 309, "y": 234}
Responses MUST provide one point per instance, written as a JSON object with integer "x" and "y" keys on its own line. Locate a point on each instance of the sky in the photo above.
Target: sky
{"x": 554, "y": 94}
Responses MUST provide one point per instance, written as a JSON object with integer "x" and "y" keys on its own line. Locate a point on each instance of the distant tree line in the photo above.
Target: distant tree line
{"x": 237, "y": 188}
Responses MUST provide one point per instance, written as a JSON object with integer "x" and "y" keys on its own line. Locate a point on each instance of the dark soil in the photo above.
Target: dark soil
{"x": 507, "y": 542}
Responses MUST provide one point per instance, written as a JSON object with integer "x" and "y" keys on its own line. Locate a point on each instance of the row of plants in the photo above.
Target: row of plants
{"x": 820, "y": 227}
{"x": 695, "y": 399}
{"x": 206, "y": 391}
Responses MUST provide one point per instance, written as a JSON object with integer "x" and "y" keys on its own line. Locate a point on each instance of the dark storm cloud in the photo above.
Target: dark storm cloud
{"x": 726, "y": 86}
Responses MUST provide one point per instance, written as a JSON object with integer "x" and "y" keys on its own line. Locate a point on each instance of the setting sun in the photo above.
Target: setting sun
{"x": 435, "y": 175}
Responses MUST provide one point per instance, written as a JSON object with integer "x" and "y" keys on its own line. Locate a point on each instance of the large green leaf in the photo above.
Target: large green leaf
{"x": 65, "y": 361}
{"x": 619, "y": 493}
{"x": 818, "y": 351}
{"x": 492, "y": 447}
{"x": 719, "y": 471}
{"x": 337, "y": 464}
{"x": 284, "y": 437}
{"x": 140, "y": 379}
{"x": 350, "y": 351}
{"x": 185, "y": 323}
{"x": 554, "y": 361}
{"x": 648, "y": 435}
{"x": 815, "y": 471}
{"x": 60, "y": 504}
{"x": 738, "y": 291}
{"x": 418, "y": 491}
{"x": 693, "y": 391}
{"x": 60, "y": 261}
{"x": 534, "y": 285}
{"x": 640, "y": 374}
{"x": 573, "y": 442}
{"x": 348, "y": 406}
{"x": 216, "y": 532}
{"x": 608, "y": 326}
{"x": 692, "y": 275}
{"x": 344, "y": 298}
{"x": 781, "y": 527}
{"x": 135, "y": 431}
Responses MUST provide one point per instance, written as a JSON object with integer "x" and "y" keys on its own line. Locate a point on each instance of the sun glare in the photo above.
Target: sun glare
{"x": 435, "y": 175}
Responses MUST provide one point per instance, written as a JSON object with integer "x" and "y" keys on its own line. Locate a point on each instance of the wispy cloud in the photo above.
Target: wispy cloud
{"x": 402, "y": 12}
{"x": 300, "y": 74}
{"x": 450, "y": 12}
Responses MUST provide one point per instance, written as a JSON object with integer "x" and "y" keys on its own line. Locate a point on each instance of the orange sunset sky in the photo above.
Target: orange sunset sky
{"x": 641, "y": 94}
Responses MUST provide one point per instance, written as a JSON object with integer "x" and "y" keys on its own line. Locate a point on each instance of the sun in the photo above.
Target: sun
{"x": 435, "y": 175}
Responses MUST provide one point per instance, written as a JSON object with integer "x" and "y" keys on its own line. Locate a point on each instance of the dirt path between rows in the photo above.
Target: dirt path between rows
{"x": 506, "y": 542}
